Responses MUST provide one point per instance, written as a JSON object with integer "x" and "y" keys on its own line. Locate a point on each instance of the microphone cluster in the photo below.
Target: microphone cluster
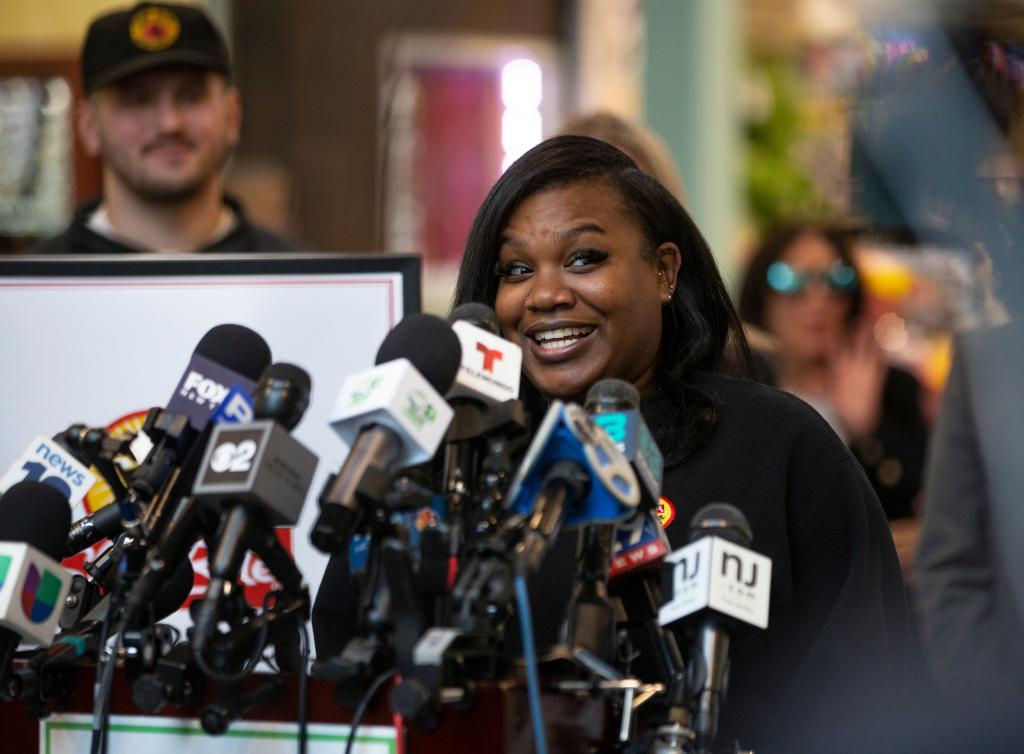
{"x": 446, "y": 501}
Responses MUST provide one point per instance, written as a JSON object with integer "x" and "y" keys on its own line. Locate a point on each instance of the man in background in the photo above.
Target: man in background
{"x": 162, "y": 114}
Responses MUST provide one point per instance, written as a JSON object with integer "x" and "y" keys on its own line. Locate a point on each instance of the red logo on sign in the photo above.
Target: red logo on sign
{"x": 490, "y": 356}
{"x": 254, "y": 575}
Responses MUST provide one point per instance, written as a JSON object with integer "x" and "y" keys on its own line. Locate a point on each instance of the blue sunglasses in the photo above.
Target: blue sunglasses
{"x": 839, "y": 278}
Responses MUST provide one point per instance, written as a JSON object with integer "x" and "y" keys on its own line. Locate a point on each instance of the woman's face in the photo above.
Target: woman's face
{"x": 581, "y": 290}
{"x": 808, "y": 324}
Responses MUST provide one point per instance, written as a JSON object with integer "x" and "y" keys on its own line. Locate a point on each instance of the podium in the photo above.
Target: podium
{"x": 496, "y": 720}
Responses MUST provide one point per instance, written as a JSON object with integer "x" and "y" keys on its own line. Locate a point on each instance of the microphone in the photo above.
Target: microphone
{"x": 257, "y": 474}
{"x": 87, "y": 531}
{"x": 236, "y": 408}
{"x": 491, "y": 367}
{"x": 488, "y": 417}
{"x": 83, "y": 640}
{"x": 47, "y": 461}
{"x": 566, "y": 433}
{"x": 226, "y": 355}
{"x": 34, "y": 521}
{"x": 177, "y": 536}
{"x": 713, "y": 587}
{"x": 566, "y": 437}
{"x": 640, "y": 545}
{"x": 476, "y": 314}
{"x": 614, "y": 406}
{"x": 391, "y": 416}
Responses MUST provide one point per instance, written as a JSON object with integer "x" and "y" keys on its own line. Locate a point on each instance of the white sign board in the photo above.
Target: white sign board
{"x": 130, "y": 734}
{"x": 101, "y": 340}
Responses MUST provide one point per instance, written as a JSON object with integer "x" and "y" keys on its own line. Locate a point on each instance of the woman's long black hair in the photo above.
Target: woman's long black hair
{"x": 700, "y": 329}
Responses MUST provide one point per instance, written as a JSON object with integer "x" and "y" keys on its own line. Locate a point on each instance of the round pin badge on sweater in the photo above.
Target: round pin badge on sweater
{"x": 666, "y": 512}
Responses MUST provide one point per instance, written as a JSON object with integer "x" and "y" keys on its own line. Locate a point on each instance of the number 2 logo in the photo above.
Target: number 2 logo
{"x": 233, "y": 458}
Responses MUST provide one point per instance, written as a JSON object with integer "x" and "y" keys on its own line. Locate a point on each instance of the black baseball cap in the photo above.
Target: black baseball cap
{"x": 149, "y": 35}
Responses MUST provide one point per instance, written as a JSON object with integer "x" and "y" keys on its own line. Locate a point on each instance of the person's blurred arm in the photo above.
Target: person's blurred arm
{"x": 880, "y": 408}
{"x": 955, "y": 578}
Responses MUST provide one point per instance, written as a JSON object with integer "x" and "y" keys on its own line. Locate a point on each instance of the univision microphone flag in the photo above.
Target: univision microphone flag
{"x": 33, "y": 588}
{"x": 39, "y": 593}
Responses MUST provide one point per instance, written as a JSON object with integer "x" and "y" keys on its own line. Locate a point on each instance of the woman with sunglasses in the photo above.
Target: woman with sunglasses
{"x": 802, "y": 289}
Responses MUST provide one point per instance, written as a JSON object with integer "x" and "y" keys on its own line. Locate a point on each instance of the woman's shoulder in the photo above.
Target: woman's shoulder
{"x": 752, "y": 414}
{"x": 758, "y": 401}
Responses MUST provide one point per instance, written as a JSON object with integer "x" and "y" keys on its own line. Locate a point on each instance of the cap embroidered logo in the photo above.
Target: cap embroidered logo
{"x": 154, "y": 29}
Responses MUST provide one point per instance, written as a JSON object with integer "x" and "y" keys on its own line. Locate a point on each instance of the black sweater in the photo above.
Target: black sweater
{"x": 838, "y": 623}
{"x": 79, "y": 238}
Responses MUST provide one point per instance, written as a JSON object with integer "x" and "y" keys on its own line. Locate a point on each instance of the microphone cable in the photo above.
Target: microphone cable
{"x": 111, "y": 637}
{"x": 364, "y": 705}
{"x": 250, "y": 664}
{"x": 530, "y": 659}
{"x": 303, "y": 687}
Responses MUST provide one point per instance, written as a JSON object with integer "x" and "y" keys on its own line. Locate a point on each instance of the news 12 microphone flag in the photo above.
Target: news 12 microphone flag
{"x": 100, "y": 342}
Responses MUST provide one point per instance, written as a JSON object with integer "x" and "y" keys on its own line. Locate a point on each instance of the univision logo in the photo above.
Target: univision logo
{"x": 39, "y": 594}
{"x": 5, "y": 566}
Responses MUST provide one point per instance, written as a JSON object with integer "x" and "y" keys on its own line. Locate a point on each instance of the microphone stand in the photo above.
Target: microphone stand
{"x": 371, "y": 651}
{"x": 591, "y": 616}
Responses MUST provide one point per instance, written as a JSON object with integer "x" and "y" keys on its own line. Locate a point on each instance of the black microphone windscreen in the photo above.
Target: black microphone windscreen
{"x": 721, "y": 520}
{"x": 612, "y": 394}
{"x": 37, "y": 514}
{"x": 285, "y": 372}
{"x": 237, "y": 348}
{"x": 173, "y": 591}
{"x": 477, "y": 314}
{"x": 282, "y": 394}
{"x": 430, "y": 344}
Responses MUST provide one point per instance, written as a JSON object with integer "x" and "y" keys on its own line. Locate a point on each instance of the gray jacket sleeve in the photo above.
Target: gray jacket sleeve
{"x": 955, "y": 573}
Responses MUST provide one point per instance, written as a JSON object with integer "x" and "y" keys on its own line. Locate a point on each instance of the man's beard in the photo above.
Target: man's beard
{"x": 154, "y": 190}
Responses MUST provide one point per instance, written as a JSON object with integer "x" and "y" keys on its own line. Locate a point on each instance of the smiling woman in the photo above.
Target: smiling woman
{"x": 596, "y": 271}
{"x": 576, "y": 248}
{"x": 573, "y": 235}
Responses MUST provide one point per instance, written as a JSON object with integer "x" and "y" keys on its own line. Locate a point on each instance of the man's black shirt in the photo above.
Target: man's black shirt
{"x": 79, "y": 238}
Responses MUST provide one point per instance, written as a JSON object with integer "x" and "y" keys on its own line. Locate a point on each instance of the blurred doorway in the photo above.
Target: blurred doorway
{"x": 455, "y": 109}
